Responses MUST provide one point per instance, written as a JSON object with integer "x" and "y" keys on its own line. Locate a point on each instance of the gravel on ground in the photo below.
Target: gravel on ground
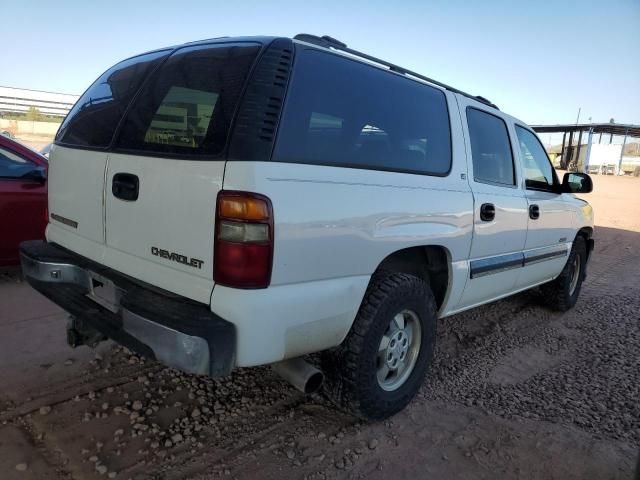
{"x": 515, "y": 391}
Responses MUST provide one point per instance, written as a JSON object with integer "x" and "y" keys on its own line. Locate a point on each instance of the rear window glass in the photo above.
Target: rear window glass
{"x": 187, "y": 105}
{"x": 345, "y": 113}
{"x": 95, "y": 116}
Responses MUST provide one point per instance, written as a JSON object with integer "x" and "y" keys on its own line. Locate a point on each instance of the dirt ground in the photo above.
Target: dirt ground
{"x": 516, "y": 391}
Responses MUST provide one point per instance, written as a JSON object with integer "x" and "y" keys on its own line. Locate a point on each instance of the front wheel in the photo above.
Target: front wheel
{"x": 562, "y": 293}
{"x": 381, "y": 364}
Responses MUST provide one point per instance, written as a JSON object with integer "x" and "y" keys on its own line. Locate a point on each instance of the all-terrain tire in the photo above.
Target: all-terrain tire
{"x": 351, "y": 369}
{"x": 558, "y": 294}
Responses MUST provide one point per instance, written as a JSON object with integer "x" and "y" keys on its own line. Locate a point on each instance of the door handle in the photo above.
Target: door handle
{"x": 534, "y": 212}
{"x": 487, "y": 212}
{"x": 125, "y": 186}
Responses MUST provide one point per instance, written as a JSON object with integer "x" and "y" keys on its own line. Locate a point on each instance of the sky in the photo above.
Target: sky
{"x": 537, "y": 60}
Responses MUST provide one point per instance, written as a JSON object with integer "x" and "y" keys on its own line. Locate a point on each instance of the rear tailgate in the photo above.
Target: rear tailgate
{"x": 75, "y": 182}
{"x": 171, "y": 149}
{"x": 172, "y": 221}
{"x": 78, "y": 160}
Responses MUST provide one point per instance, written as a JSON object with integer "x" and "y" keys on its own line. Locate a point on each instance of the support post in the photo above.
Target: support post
{"x": 569, "y": 150}
{"x": 588, "y": 153}
{"x": 563, "y": 159}
{"x": 578, "y": 150}
{"x": 600, "y": 139}
{"x": 624, "y": 142}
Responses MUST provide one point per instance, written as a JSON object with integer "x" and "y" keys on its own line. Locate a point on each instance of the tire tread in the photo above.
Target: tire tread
{"x": 555, "y": 293}
{"x": 347, "y": 384}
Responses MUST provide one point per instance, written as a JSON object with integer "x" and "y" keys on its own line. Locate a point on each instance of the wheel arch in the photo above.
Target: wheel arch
{"x": 431, "y": 263}
{"x": 587, "y": 234}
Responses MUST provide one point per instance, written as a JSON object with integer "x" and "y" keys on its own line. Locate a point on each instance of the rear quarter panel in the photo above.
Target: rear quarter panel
{"x": 333, "y": 227}
{"x": 333, "y": 222}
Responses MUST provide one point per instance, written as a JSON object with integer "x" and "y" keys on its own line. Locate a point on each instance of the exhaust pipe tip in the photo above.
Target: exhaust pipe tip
{"x": 314, "y": 382}
{"x": 300, "y": 374}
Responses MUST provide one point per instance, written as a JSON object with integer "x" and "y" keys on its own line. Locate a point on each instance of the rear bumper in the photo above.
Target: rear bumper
{"x": 174, "y": 330}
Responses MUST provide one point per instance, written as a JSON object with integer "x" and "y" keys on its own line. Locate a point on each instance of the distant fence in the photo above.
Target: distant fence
{"x": 26, "y": 127}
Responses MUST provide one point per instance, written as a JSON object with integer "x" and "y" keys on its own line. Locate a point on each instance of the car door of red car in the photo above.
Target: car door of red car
{"x": 23, "y": 200}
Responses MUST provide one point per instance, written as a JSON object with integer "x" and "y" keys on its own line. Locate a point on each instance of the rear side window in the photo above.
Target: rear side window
{"x": 344, "y": 113}
{"x": 187, "y": 105}
{"x": 490, "y": 148}
{"x": 95, "y": 116}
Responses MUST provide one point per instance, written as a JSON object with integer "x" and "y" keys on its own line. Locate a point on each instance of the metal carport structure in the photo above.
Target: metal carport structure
{"x": 591, "y": 129}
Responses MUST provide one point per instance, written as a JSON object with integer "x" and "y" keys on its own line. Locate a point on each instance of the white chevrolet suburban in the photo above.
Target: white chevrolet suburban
{"x": 246, "y": 201}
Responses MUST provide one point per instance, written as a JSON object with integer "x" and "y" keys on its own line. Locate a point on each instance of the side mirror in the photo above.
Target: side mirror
{"x": 38, "y": 174}
{"x": 576, "y": 183}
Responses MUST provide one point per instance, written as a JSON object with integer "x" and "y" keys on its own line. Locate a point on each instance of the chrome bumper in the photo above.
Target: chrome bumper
{"x": 55, "y": 272}
{"x": 170, "y": 346}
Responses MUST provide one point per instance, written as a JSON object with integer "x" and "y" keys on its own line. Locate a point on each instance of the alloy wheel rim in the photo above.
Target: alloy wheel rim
{"x": 398, "y": 350}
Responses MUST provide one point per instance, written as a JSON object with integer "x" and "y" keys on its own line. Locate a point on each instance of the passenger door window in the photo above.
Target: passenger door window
{"x": 538, "y": 171}
{"x": 490, "y": 148}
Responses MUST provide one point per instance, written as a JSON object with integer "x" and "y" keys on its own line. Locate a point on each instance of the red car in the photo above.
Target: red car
{"x": 23, "y": 197}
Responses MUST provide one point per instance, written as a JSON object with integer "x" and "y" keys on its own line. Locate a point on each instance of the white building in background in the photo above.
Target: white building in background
{"x": 18, "y": 100}
{"x": 601, "y": 154}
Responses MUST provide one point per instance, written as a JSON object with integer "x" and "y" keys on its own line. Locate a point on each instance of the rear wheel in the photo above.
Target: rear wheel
{"x": 381, "y": 364}
{"x": 562, "y": 293}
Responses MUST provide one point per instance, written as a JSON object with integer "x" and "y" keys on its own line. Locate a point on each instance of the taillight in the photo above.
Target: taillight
{"x": 243, "y": 249}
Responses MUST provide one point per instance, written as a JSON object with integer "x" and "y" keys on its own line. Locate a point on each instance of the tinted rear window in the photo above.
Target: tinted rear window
{"x": 344, "y": 113}
{"x": 187, "y": 105}
{"x": 95, "y": 116}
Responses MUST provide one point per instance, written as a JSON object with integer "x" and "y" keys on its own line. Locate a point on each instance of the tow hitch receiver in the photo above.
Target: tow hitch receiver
{"x": 79, "y": 334}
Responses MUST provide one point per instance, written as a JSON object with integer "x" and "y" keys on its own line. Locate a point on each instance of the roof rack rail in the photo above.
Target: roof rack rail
{"x": 330, "y": 42}
{"x": 205, "y": 40}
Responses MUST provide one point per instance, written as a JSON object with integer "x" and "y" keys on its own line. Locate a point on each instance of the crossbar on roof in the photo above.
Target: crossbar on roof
{"x": 629, "y": 130}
